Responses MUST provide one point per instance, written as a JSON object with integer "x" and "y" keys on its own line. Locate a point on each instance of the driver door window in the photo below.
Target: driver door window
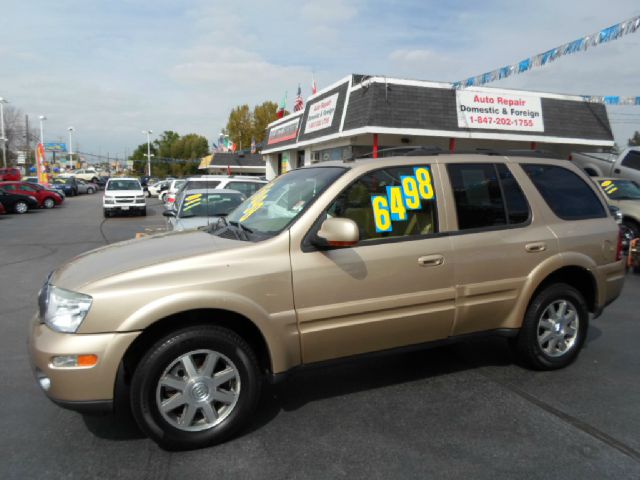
{"x": 407, "y": 207}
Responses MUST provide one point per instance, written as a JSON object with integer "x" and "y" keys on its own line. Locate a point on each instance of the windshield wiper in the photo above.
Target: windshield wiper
{"x": 242, "y": 226}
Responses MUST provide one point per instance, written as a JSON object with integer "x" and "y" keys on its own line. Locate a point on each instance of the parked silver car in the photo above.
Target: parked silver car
{"x": 201, "y": 207}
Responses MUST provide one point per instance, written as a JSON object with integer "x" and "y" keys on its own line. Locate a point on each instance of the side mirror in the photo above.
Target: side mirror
{"x": 169, "y": 213}
{"x": 337, "y": 233}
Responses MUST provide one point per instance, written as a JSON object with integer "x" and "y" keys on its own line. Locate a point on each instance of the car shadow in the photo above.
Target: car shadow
{"x": 317, "y": 383}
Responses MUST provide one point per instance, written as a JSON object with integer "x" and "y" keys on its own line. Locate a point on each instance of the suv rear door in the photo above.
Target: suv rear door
{"x": 498, "y": 241}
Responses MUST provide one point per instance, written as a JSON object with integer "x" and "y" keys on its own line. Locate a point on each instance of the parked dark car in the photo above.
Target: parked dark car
{"x": 17, "y": 203}
{"x": 2, "y": 210}
{"x": 68, "y": 185}
{"x": 46, "y": 198}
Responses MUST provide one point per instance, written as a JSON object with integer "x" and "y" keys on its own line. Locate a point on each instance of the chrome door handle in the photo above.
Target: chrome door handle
{"x": 536, "y": 247}
{"x": 431, "y": 260}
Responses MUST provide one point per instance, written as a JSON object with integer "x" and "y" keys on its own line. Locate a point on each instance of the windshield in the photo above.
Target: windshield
{"x": 272, "y": 208}
{"x": 60, "y": 181}
{"x": 209, "y": 204}
{"x": 124, "y": 185}
{"x": 621, "y": 189}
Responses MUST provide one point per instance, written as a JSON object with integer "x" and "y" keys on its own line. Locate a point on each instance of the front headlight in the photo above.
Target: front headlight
{"x": 109, "y": 200}
{"x": 65, "y": 310}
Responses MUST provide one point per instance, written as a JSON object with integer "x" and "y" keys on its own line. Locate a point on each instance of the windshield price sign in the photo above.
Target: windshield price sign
{"x": 499, "y": 111}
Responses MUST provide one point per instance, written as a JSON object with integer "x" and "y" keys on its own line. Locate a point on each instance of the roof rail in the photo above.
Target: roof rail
{"x": 419, "y": 150}
{"x": 510, "y": 152}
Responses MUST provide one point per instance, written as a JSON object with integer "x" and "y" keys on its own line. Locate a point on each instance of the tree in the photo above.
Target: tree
{"x": 634, "y": 141}
{"x": 240, "y": 126}
{"x": 15, "y": 131}
{"x": 244, "y": 125}
{"x": 139, "y": 157}
{"x": 263, "y": 115}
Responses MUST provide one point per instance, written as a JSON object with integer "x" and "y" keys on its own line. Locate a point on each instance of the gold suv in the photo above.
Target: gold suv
{"x": 328, "y": 261}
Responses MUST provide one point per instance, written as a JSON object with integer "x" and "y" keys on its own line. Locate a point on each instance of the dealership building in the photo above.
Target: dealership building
{"x": 366, "y": 115}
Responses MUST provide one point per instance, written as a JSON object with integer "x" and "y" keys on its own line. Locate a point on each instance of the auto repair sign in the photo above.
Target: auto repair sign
{"x": 321, "y": 114}
{"x": 499, "y": 111}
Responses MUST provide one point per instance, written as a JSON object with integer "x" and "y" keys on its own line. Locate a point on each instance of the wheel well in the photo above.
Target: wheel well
{"x": 223, "y": 318}
{"x": 627, "y": 219}
{"x": 591, "y": 172}
{"x": 579, "y": 278}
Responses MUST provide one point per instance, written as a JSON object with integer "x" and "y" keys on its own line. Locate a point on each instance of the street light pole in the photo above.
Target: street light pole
{"x": 42, "y": 119}
{"x": 3, "y": 138}
{"x": 71, "y": 129}
{"x": 148, "y": 132}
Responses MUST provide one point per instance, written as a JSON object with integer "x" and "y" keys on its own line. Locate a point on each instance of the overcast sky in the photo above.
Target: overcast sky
{"x": 114, "y": 68}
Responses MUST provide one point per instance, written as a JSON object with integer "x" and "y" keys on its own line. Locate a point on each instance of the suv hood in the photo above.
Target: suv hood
{"x": 135, "y": 254}
{"x": 123, "y": 193}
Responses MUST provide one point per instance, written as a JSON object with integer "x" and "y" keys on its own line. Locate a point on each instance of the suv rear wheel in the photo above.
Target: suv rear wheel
{"x": 195, "y": 387}
{"x": 554, "y": 328}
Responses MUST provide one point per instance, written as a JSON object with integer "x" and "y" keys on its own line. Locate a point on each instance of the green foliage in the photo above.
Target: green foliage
{"x": 173, "y": 155}
{"x": 244, "y": 124}
{"x": 262, "y": 116}
{"x": 634, "y": 141}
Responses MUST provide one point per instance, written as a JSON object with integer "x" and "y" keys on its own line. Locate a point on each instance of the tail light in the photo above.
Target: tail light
{"x": 619, "y": 247}
{"x": 171, "y": 200}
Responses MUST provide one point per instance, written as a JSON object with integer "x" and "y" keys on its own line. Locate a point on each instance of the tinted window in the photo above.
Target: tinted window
{"x": 9, "y": 188}
{"x": 247, "y": 188}
{"x": 566, "y": 193}
{"x": 197, "y": 184}
{"x": 516, "y": 202}
{"x": 632, "y": 160}
{"x": 479, "y": 202}
{"x": 357, "y": 204}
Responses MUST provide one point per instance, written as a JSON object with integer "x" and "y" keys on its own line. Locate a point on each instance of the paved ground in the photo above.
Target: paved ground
{"x": 455, "y": 412}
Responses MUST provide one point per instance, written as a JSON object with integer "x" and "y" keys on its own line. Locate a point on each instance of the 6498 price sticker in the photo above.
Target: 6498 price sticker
{"x": 393, "y": 206}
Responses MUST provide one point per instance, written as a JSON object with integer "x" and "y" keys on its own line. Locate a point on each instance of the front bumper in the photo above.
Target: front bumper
{"x": 124, "y": 207}
{"x": 78, "y": 388}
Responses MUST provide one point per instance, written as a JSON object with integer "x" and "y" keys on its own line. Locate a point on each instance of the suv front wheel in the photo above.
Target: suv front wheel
{"x": 554, "y": 328}
{"x": 195, "y": 387}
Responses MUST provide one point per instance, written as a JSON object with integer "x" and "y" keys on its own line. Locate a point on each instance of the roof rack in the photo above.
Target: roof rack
{"x": 426, "y": 150}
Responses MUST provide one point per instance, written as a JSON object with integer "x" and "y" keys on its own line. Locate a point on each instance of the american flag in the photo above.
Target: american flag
{"x": 299, "y": 103}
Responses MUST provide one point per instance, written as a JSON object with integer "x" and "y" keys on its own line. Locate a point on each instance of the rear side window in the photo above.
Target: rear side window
{"x": 632, "y": 160}
{"x": 247, "y": 188}
{"x": 486, "y": 196}
{"x": 566, "y": 193}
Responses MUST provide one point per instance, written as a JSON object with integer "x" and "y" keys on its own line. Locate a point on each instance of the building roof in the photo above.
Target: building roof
{"x": 232, "y": 159}
{"x": 361, "y": 104}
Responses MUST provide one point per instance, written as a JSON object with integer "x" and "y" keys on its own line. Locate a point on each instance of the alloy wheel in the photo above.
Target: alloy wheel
{"x": 198, "y": 390}
{"x": 558, "y": 328}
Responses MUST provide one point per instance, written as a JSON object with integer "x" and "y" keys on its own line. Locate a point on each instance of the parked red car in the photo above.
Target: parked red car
{"x": 2, "y": 210}
{"x": 10, "y": 174}
{"x": 46, "y": 198}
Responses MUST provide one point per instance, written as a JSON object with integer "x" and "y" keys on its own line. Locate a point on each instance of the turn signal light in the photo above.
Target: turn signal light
{"x": 70, "y": 361}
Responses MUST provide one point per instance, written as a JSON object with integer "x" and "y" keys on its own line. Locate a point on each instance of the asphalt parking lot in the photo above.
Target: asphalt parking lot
{"x": 463, "y": 411}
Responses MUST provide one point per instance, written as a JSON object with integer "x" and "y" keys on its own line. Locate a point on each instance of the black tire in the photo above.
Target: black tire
{"x": 94, "y": 180}
{"x": 143, "y": 212}
{"x": 633, "y": 227}
{"x": 49, "y": 203}
{"x": 526, "y": 344}
{"x": 90, "y": 191}
{"x": 20, "y": 207}
{"x": 106, "y": 213}
{"x": 167, "y": 351}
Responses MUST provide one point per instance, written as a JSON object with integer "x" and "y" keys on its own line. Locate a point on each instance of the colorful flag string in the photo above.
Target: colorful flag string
{"x": 582, "y": 44}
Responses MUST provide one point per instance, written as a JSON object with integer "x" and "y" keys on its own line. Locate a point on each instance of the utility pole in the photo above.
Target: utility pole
{"x": 27, "y": 140}
{"x": 3, "y": 136}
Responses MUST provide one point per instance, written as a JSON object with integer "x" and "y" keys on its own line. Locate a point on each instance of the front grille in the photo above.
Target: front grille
{"x": 125, "y": 199}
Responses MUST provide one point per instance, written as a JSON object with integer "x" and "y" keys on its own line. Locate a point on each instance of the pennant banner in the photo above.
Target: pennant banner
{"x": 612, "y": 100}
{"x": 606, "y": 35}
